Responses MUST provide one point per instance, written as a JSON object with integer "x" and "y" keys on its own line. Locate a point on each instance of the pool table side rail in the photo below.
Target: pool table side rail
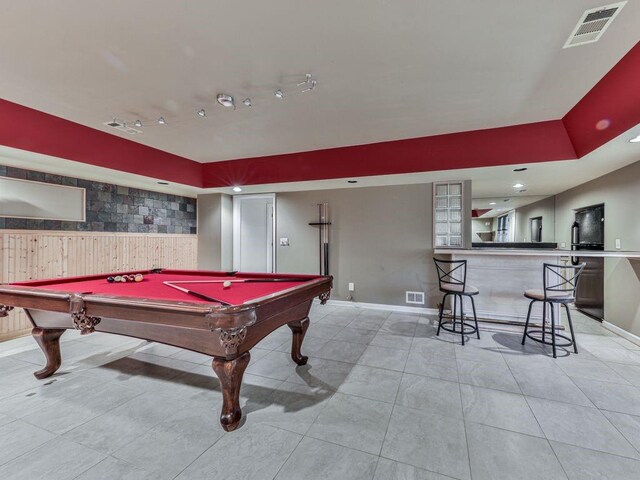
{"x": 182, "y": 324}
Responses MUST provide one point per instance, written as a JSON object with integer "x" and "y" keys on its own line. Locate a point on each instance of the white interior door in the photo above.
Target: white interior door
{"x": 253, "y": 233}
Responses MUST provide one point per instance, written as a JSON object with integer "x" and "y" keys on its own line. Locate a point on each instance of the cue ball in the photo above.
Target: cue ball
{"x": 226, "y": 284}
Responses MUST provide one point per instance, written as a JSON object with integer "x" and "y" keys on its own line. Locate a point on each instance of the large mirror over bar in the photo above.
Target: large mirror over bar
{"x": 507, "y": 221}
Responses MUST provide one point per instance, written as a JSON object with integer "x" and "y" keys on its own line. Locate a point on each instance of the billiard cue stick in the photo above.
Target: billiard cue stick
{"x": 196, "y": 294}
{"x": 243, "y": 280}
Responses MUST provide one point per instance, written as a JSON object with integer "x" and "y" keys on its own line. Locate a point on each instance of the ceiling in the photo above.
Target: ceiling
{"x": 385, "y": 72}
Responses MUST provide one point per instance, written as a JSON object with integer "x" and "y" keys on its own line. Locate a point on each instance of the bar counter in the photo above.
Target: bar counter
{"x": 503, "y": 274}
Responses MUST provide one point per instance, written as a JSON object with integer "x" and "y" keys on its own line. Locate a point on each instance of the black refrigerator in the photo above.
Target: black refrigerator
{"x": 587, "y": 233}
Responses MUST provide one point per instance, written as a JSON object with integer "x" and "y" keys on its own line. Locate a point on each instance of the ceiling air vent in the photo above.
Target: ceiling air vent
{"x": 593, "y": 23}
{"x": 123, "y": 127}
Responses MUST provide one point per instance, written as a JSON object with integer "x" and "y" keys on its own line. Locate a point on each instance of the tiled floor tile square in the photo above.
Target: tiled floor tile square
{"x": 57, "y": 459}
{"x": 421, "y": 362}
{"x": 340, "y": 351}
{"x": 256, "y": 452}
{"x": 611, "y": 396}
{"x": 392, "y": 470}
{"x": 583, "y": 464}
{"x": 489, "y": 375}
{"x": 499, "y": 454}
{"x": 373, "y": 383}
{"x": 627, "y": 425}
{"x": 321, "y": 373}
{"x": 552, "y": 384}
{"x": 111, "y": 468}
{"x": 356, "y": 335}
{"x": 353, "y": 422}
{"x": 317, "y": 460}
{"x": 584, "y": 427}
{"x": 18, "y": 437}
{"x": 430, "y": 394}
{"x": 277, "y": 365}
{"x": 496, "y": 408}
{"x": 382, "y": 357}
{"x": 416, "y": 437}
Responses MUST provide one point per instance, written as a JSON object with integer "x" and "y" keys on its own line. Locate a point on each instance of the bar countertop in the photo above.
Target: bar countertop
{"x": 537, "y": 252}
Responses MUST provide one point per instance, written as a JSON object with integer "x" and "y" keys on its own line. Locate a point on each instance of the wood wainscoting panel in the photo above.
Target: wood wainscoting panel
{"x": 36, "y": 254}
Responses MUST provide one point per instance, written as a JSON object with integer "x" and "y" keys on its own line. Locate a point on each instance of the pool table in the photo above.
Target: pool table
{"x": 223, "y": 314}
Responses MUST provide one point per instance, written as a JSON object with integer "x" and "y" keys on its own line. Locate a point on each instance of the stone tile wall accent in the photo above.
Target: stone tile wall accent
{"x": 112, "y": 208}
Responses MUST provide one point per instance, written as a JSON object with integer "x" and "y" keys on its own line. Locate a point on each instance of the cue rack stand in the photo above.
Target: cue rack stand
{"x": 323, "y": 233}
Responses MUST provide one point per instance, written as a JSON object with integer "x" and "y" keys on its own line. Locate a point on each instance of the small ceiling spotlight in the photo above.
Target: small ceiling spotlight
{"x": 352, "y": 181}
{"x": 492, "y": 203}
{"x": 226, "y": 100}
{"x": 518, "y": 185}
{"x": 237, "y": 189}
{"x": 137, "y": 123}
{"x": 521, "y": 169}
{"x": 522, "y": 190}
{"x": 506, "y": 199}
{"x": 312, "y": 84}
{"x": 635, "y": 139}
{"x": 162, "y": 121}
{"x": 246, "y": 102}
{"x": 201, "y": 113}
{"x": 163, "y": 183}
{"x": 279, "y": 94}
{"x": 307, "y": 80}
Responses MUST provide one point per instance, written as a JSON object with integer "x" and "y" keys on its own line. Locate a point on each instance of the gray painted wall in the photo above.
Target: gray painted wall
{"x": 544, "y": 208}
{"x": 215, "y": 231}
{"x": 381, "y": 239}
{"x": 620, "y": 193}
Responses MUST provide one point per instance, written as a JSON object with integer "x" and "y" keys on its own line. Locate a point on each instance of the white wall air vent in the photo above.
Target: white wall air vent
{"x": 123, "y": 127}
{"x": 416, "y": 298}
{"x": 592, "y": 24}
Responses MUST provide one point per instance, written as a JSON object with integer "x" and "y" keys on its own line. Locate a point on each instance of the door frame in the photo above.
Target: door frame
{"x": 237, "y": 200}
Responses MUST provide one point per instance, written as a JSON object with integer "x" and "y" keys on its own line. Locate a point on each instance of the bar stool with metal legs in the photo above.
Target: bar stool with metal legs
{"x": 559, "y": 287}
{"x": 452, "y": 280}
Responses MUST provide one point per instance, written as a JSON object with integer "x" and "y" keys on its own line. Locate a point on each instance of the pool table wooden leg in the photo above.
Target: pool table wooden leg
{"x": 230, "y": 374}
{"x": 49, "y": 341}
{"x": 299, "y": 329}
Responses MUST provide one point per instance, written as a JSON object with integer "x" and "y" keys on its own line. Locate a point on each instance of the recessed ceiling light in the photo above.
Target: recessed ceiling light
{"x": 162, "y": 121}
{"x": 201, "y": 113}
{"x": 247, "y": 102}
{"x": 163, "y": 183}
{"x": 521, "y": 169}
{"x": 225, "y": 100}
{"x": 137, "y": 123}
{"x": 352, "y": 181}
{"x": 522, "y": 190}
{"x": 237, "y": 189}
{"x": 492, "y": 203}
{"x": 518, "y": 185}
{"x": 506, "y": 199}
{"x": 279, "y": 94}
{"x": 635, "y": 139}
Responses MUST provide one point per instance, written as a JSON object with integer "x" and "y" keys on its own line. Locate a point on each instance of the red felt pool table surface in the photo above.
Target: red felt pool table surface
{"x": 153, "y": 286}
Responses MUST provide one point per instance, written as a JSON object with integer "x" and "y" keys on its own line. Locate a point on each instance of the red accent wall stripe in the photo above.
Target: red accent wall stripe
{"x": 609, "y": 109}
{"x": 529, "y": 143}
{"x": 28, "y": 129}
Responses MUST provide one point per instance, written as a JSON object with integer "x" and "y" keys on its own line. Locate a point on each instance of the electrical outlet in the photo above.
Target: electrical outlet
{"x": 563, "y": 245}
{"x": 618, "y": 244}
{"x": 351, "y": 287}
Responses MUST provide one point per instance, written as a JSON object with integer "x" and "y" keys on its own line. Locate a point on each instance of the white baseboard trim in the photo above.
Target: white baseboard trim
{"x": 380, "y": 306}
{"x": 621, "y": 332}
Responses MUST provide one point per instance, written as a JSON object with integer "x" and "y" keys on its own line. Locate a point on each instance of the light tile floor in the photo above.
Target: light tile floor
{"x": 381, "y": 398}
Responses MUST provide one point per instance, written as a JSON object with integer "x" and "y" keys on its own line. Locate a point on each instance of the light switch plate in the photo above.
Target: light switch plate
{"x": 284, "y": 242}
{"x": 618, "y": 244}
{"x": 351, "y": 287}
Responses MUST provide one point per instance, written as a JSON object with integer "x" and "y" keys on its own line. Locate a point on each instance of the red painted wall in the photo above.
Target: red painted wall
{"x": 28, "y": 129}
{"x": 610, "y": 108}
{"x": 534, "y": 142}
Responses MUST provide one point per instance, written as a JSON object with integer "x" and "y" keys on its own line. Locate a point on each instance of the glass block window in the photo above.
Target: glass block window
{"x": 447, "y": 214}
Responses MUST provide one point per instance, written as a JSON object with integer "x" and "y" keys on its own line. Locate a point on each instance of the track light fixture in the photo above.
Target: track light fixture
{"x": 303, "y": 85}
